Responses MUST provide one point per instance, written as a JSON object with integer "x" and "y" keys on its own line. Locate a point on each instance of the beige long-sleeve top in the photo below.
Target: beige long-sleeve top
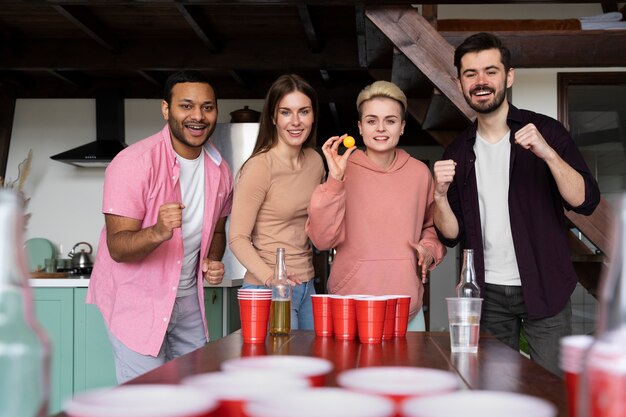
{"x": 269, "y": 211}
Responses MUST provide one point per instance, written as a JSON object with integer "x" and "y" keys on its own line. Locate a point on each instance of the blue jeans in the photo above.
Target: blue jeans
{"x": 301, "y": 306}
{"x": 504, "y": 315}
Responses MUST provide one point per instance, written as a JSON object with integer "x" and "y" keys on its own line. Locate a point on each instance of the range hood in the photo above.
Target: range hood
{"x": 109, "y": 136}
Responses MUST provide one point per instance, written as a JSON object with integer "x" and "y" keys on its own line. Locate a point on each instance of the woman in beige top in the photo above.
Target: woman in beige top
{"x": 272, "y": 194}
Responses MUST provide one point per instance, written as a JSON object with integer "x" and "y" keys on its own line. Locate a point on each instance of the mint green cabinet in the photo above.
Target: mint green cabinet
{"x": 93, "y": 357}
{"x": 222, "y": 315}
{"x": 213, "y": 305}
{"x": 54, "y": 309}
{"x": 82, "y": 358}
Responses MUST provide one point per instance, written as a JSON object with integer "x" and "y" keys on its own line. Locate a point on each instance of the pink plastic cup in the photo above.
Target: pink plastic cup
{"x": 370, "y": 316}
{"x": 344, "y": 317}
{"x": 322, "y": 314}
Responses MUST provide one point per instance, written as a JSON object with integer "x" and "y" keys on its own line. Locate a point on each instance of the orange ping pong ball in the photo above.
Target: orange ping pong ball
{"x": 348, "y": 141}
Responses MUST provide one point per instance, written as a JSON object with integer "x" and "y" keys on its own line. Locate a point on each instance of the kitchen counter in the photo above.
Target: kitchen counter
{"x": 83, "y": 281}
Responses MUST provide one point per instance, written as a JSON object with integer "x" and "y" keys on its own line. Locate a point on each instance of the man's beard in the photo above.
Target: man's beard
{"x": 177, "y": 130}
{"x": 487, "y": 106}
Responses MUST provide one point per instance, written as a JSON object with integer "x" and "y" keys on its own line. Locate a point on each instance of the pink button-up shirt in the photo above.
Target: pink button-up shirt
{"x": 136, "y": 298}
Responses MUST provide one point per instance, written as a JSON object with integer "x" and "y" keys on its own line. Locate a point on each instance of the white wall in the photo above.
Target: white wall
{"x": 65, "y": 203}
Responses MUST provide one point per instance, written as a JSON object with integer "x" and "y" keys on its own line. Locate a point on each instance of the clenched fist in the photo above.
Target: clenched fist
{"x": 170, "y": 217}
{"x": 444, "y": 174}
{"x": 213, "y": 271}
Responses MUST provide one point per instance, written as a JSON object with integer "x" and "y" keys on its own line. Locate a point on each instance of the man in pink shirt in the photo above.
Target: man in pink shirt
{"x": 165, "y": 203}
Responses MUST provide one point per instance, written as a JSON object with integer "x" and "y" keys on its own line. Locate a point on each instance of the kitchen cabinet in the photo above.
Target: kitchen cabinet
{"x": 93, "y": 358}
{"x": 82, "y": 358}
{"x": 54, "y": 310}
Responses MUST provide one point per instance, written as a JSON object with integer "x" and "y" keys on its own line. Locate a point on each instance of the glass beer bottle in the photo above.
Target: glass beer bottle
{"x": 24, "y": 348}
{"x": 280, "y": 312}
{"x": 467, "y": 286}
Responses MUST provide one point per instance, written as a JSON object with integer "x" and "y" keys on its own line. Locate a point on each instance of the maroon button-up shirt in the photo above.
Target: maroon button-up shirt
{"x": 538, "y": 223}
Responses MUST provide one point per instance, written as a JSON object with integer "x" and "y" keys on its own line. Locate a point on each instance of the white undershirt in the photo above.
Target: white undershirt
{"x": 192, "y": 191}
{"x": 492, "y": 177}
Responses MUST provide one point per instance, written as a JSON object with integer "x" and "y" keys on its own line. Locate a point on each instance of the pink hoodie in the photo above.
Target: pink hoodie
{"x": 370, "y": 218}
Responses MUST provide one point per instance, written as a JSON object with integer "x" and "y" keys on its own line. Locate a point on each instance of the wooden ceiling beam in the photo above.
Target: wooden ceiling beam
{"x": 360, "y": 20}
{"x": 89, "y": 24}
{"x": 424, "y": 47}
{"x": 73, "y": 78}
{"x": 378, "y": 48}
{"x": 281, "y": 2}
{"x": 200, "y": 26}
{"x": 326, "y": 80}
{"x": 559, "y": 48}
{"x": 406, "y": 76}
{"x": 142, "y": 55}
{"x": 312, "y": 36}
{"x": 241, "y": 79}
{"x": 153, "y": 78}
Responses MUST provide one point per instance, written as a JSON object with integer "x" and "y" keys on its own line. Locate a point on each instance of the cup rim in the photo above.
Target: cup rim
{"x": 141, "y": 400}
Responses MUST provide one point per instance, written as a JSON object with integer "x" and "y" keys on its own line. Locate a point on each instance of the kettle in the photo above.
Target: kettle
{"x": 81, "y": 259}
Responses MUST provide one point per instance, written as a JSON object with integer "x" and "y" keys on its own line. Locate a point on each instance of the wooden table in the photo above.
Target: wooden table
{"x": 495, "y": 366}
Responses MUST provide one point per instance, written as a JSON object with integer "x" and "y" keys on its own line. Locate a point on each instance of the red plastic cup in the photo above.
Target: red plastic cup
{"x": 333, "y": 402}
{"x": 573, "y": 350}
{"x": 313, "y": 369}
{"x": 143, "y": 400}
{"x": 322, "y": 314}
{"x": 344, "y": 317}
{"x": 402, "y": 315}
{"x": 399, "y": 383}
{"x": 234, "y": 390}
{"x": 370, "y": 317}
{"x": 254, "y": 319}
{"x": 606, "y": 378}
{"x": 390, "y": 318}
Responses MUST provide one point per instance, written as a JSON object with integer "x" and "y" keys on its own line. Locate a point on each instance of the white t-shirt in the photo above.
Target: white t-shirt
{"x": 192, "y": 191}
{"x": 492, "y": 177}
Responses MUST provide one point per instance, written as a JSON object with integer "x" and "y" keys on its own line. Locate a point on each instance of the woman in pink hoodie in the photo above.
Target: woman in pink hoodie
{"x": 376, "y": 207}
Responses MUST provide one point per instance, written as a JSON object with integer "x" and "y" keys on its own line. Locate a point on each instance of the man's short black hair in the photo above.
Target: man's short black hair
{"x": 480, "y": 42}
{"x": 185, "y": 76}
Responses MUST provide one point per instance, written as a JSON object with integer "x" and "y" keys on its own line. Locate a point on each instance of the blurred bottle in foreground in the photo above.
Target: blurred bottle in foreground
{"x": 24, "y": 348}
{"x": 280, "y": 313}
{"x": 603, "y": 386}
{"x": 467, "y": 286}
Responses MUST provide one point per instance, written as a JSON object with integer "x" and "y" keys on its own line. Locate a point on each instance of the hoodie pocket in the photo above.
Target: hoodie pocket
{"x": 380, "y": 277}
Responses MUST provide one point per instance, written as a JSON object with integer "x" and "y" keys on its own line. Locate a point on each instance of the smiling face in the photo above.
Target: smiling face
{"x": 191, "y": 116}
{"x": 484, "y": 80}
{"x": 381, "y": 124}
{"x": 294, "y": 119}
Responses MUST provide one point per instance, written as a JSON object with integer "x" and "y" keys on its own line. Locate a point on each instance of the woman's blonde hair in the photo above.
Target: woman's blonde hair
{"x": 382, "y": 89}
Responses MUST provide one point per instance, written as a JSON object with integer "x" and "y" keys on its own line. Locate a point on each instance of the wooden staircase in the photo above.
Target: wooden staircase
{"x": 423, "y": 67}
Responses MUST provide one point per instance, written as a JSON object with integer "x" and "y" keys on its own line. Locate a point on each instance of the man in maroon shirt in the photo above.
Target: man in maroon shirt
{"x": 501, "y": 187}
